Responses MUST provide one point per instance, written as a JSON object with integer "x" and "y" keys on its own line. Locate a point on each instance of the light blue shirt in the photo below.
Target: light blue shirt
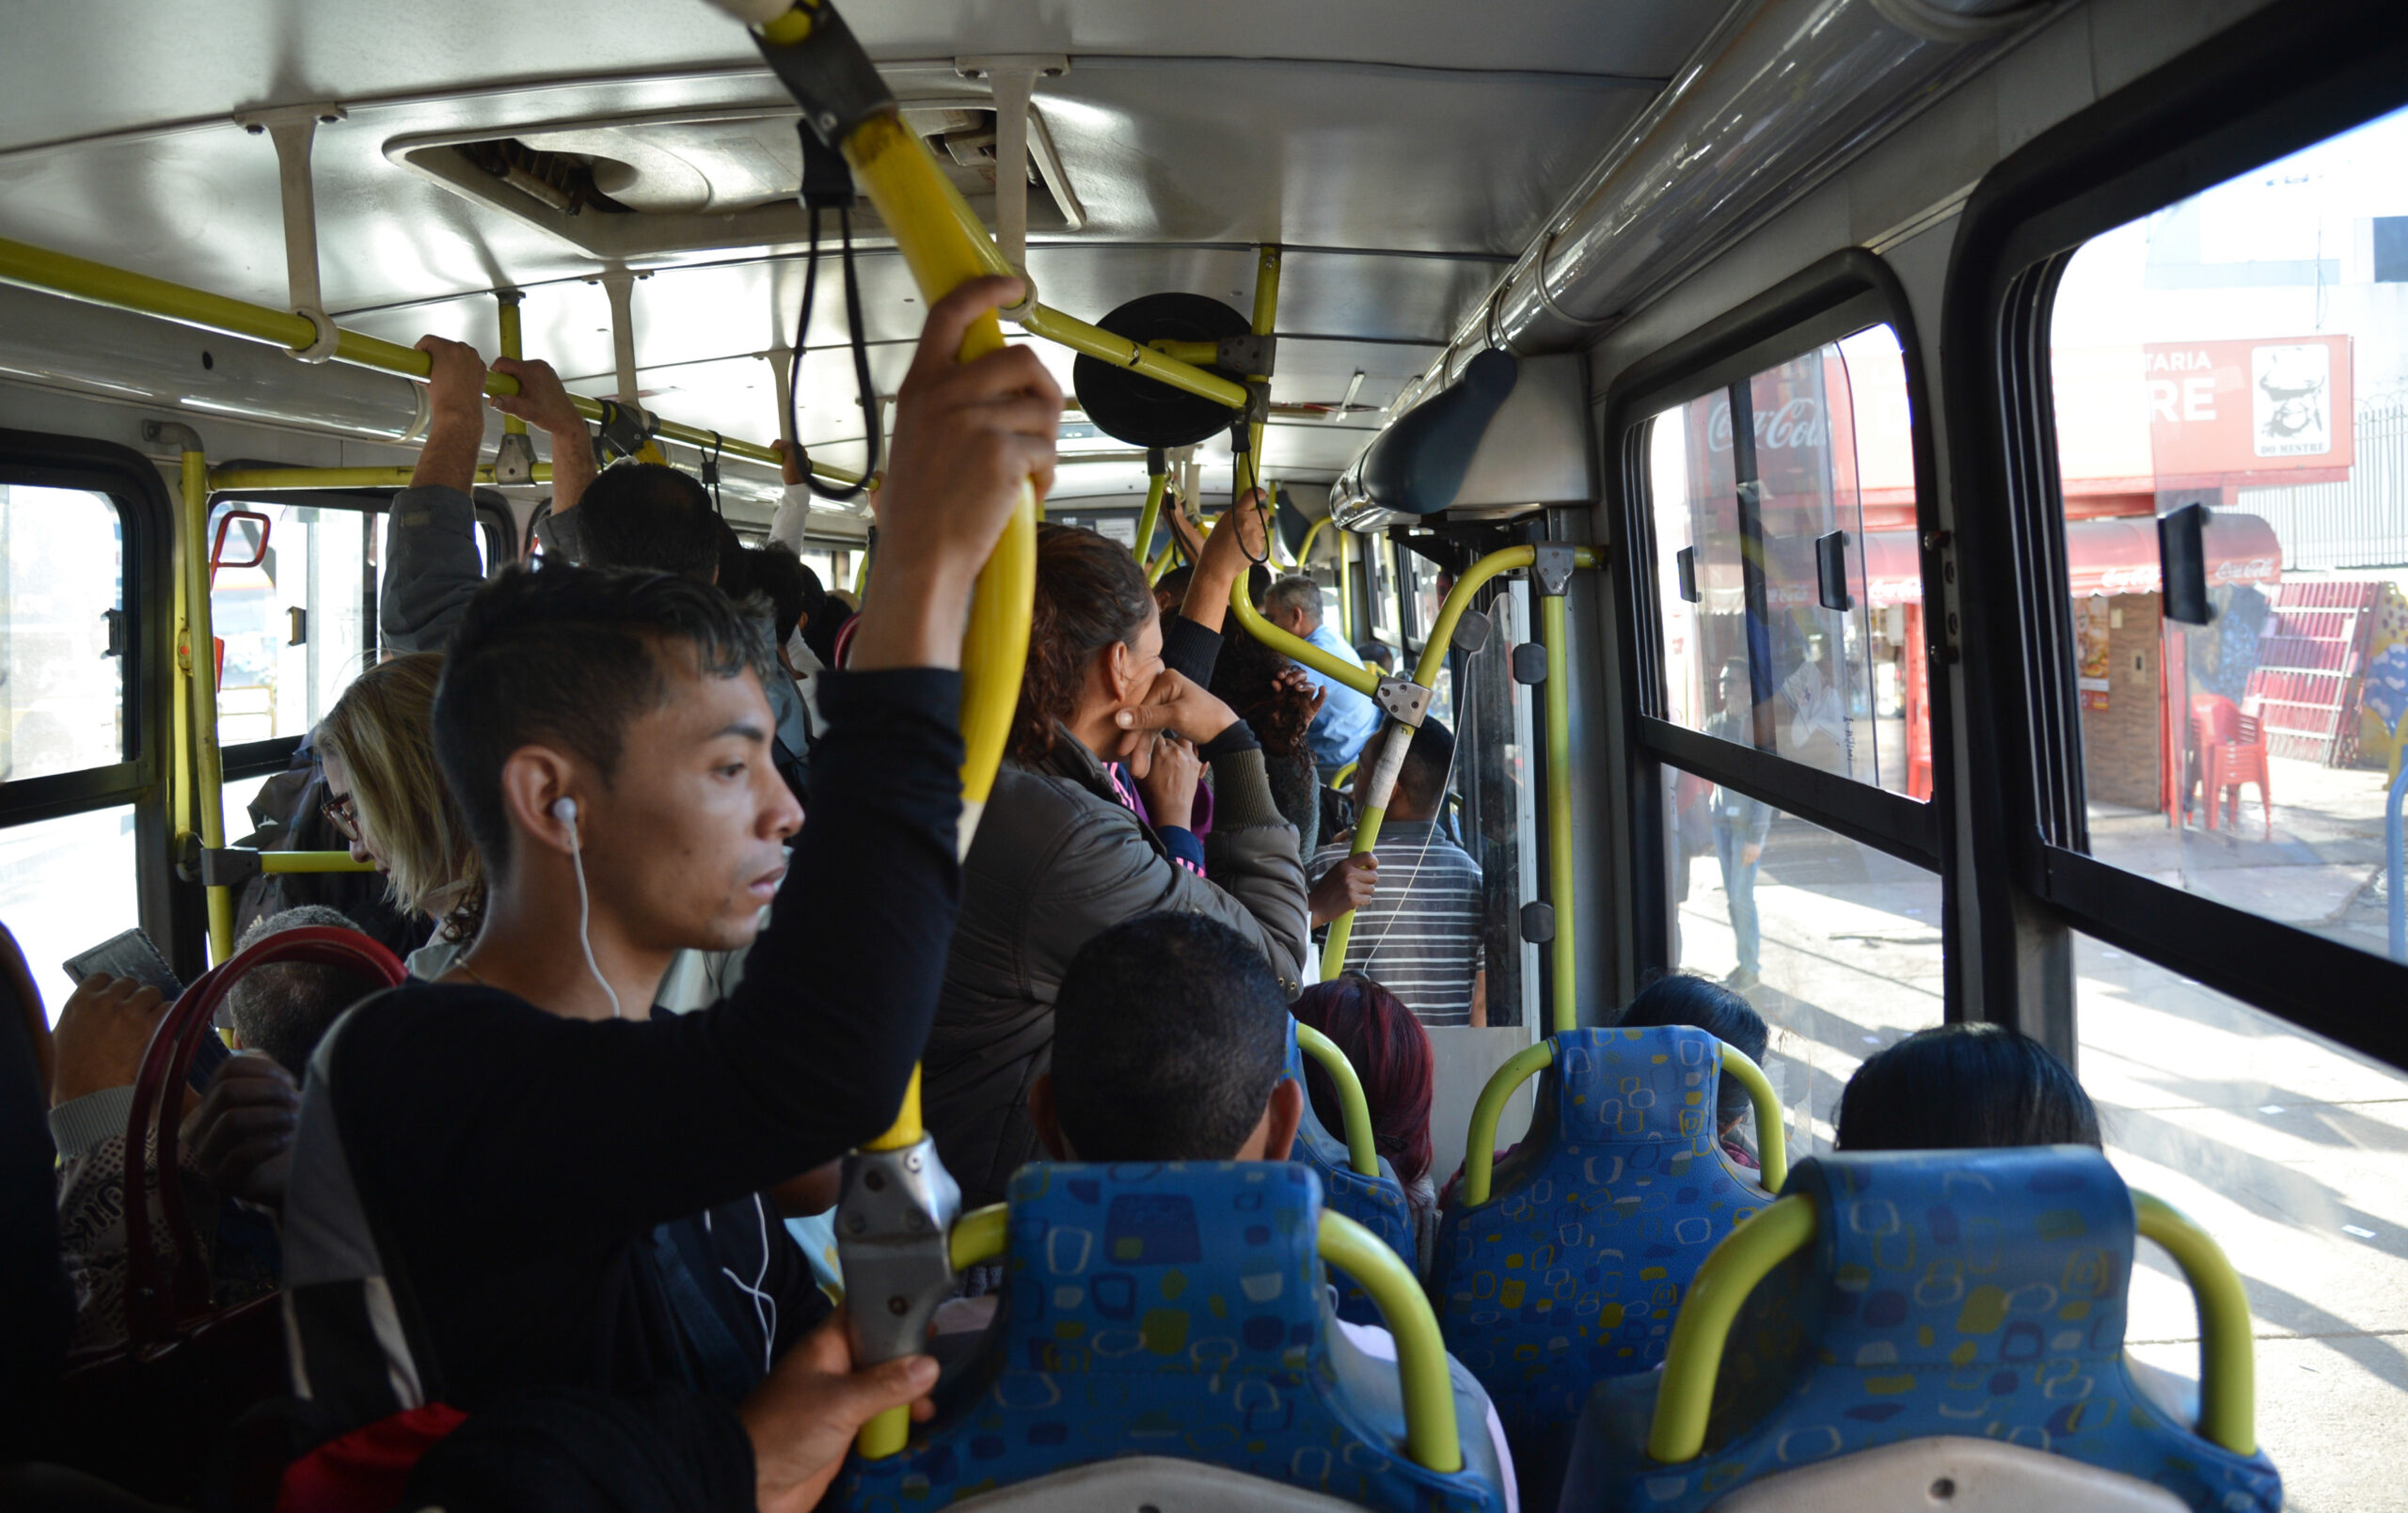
{"x": 1347, "y": 718}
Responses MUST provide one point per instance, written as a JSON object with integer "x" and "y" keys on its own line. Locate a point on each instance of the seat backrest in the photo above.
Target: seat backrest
{"x": 1968, "y": 1294}
{"x": 1376, "y": 1202}
{"x": 1575, "y": 1268}
{"x": 1173, "y": 1310}
{"x": 2214, "y": 717}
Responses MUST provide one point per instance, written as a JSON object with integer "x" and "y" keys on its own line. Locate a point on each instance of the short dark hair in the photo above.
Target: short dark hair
{"x": 572, "y": 655}
{"x": 1964, "y": 1087}
{"x": 1427, "y": 763}
{"x": 1702, "y": 1004}
{"x": 285, "y": 1008}
{"x": 649, "y": 516}
{"x": 1170, "y": 590}
{"x": 1169, "y": 1033}
{"x": 779, "y": 574}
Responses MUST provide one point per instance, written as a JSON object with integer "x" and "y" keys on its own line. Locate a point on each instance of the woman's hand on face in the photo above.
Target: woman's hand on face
{"x": 1167, "y": 780}
{"x": 803, "y": 1418}
{"x": 1172, "y": 703}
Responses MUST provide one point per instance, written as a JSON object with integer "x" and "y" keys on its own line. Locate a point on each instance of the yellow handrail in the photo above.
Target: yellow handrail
{"x": 979, "y": 1235}
{"x": 287, "y": 861}
{"x": 1429, "y": 1432}
{"x": 1562, "y": 952}
{"x": 1362, "y": 1153}
{"x": 1305, "y": 550}
{"x": 1693, "y": 1357}
{"x": 1150, "y": 515}
{"x": 95, "y": 283}
{"x": 2228, "y": 1359}
{"x": 1480, "y": 1151}
{"x": 208, "y": 769}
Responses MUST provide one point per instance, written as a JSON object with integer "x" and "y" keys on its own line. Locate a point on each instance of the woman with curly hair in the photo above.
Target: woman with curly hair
{"x": 1062, "y": 851}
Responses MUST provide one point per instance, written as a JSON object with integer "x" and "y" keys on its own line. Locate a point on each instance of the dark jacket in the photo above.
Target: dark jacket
{"x": 1058, "y": 860}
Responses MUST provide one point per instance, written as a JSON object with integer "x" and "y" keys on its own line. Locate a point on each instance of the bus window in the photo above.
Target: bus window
{"x": 63, "y": 682}
{"x": 2241, "y": 351}
{"x": 1790, "y": 582}
{"x": 69, "y": 882}
{"x": 2285, "y": 1147}
{"x": 297, "y": 627}
{"x": 1836, "y": 944}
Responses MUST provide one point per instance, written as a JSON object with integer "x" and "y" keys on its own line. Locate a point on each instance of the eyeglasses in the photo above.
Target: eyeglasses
{"x": 342, "y": 814}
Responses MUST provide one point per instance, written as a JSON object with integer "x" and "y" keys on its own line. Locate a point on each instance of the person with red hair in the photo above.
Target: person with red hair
{"x": 1390, "y": 1052}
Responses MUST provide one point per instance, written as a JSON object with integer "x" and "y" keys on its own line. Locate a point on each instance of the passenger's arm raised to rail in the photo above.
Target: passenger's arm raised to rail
{"x": 543, "y": 402}
{"x": 455, "y": 394}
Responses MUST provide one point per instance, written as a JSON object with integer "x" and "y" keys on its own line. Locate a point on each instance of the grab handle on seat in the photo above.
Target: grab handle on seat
{"x": 978, "y": 1235}
{"x": 1694, "y": 1355}
{"x": 1355, "y": 1109}
{"x": 1430, "y": 1432}
{"x": 1772, "y": 1141}
{"x": 2228, "y": 1359}
{"x": 1480, "y": 1151}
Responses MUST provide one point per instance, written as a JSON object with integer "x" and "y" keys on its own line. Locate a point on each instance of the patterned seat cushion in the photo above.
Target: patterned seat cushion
{"x": 1378, "y": 1203}
{"x": 1965, "y": 1293}
{"x": 1168, "y": 1310}
{"x": 1574, "y": 1268}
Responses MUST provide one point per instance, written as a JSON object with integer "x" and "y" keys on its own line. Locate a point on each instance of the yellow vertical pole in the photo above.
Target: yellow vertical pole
{"x": 1561, "y": 955}
{"x": 1151, "y": 517}
{"x": 207, "y": 768}
{"x": 1346, "y": 588}
{"x": 511, "y": 347}
{"x": 1266, "y": 318}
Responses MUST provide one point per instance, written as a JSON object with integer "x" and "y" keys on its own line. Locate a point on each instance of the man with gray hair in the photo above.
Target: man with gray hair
{"x": 1347, "y": 718}
{"x": 284, "y": 1008}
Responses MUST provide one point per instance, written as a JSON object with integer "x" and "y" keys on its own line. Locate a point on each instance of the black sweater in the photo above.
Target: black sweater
{"x": 516, "y": 1163}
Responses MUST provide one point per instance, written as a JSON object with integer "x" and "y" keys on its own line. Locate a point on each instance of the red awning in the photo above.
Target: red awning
{"x": 2116, "y": 555}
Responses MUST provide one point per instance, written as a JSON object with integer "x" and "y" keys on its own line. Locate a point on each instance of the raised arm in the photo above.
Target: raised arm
{"x": 542, "y": 402}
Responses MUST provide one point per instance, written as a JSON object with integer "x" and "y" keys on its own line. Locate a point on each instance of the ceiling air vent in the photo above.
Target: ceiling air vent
{"x": 629, "y": 187}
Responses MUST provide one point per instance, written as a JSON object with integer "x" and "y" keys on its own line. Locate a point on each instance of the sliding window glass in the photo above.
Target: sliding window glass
{"x": 2231, "y": 377}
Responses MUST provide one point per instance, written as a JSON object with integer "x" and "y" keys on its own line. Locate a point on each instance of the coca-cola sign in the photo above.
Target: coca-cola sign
{"x": 1798, "y": 422}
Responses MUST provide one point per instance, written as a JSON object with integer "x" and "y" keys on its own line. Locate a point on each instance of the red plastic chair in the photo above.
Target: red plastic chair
{"x": 2235, "y": 764}
{"x": 2215, "y": 721}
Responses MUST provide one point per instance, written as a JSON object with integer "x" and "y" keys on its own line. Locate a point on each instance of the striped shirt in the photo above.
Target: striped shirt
{"x": 1420, "y": 937}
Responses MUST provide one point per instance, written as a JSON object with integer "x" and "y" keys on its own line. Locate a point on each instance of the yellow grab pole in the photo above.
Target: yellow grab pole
{"x": 1562, "y": 957}
{"x": 1095, "y": 341}
{"x": 266, "y": 480}
{"x": 511, "y": 347}
{"x": 1266, "y": 316}
{"x": 96, "y": 283}
{"x": 1162, "y": 564}
{"x": 1304, "y": 560}
{"x": 1150, "y": 516}
{"x": 207, "y": 767}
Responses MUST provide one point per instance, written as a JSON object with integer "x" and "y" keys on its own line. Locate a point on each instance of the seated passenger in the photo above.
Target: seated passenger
{"x": 1390, "y": 1053}
{"x": 1684, "y": 997}
{"x": 385, "y": 796}
{"x": 1347, "y": 718}
{"x": 559, "y": 1189}
{"x": 1170, "y": 1043}
{"x": 792, "y": 589}
{"x": 1419, "y": 934}
{"x": 1962, "y": 1087}
{"x": 1061, "y": 853}
{"x": 283, "y": 1009}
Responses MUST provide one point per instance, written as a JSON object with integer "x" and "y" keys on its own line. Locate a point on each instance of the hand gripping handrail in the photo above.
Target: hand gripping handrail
{"x": 2227, "y": 1365}
{"x": 1361, "y": 1153}
{"x": 1479, "y": 1149}
{"x": 1430, "y": 1430}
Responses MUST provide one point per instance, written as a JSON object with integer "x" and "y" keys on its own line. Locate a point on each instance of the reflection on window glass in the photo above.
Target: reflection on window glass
{"x": 1836, "y": 944}
{"x": 1790, "y": 581}
{"x": 289, "y": 609}
{"x": 2286, "y": 1148}
{"x": 67, "y": 885}
{"x": 2241, "y": 352}
{"x": 64, "y": 691}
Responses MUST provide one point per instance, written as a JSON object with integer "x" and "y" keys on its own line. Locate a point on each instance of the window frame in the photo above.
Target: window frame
{"x": 146, "y": 515}
{"x": 2304, "y": 76}
{"x": 1844, "y": 293}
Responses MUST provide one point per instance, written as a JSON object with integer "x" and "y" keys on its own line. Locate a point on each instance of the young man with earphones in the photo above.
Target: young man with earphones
{"x": 516, "y": 1177}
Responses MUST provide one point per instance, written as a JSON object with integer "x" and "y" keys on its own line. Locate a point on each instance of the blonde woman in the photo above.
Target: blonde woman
{"x": 386, "y": 799}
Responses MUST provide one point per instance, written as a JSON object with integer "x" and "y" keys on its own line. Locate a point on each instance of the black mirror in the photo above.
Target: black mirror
{"x": 2182, "y": 553}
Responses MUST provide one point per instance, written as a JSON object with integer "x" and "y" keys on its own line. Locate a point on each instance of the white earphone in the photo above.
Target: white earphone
{"x": 564, "y": 810}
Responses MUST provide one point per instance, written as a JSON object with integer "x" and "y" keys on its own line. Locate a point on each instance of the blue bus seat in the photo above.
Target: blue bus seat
{"x": 1377, "y": 1204}
{"x": 1574, "y": 1266}
{"x": 1972, "y": 1298}
{"x": 1176, "y": 1311}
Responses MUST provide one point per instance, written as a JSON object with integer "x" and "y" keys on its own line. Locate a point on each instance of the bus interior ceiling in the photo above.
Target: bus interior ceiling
{"x": 1666, "y": 188}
